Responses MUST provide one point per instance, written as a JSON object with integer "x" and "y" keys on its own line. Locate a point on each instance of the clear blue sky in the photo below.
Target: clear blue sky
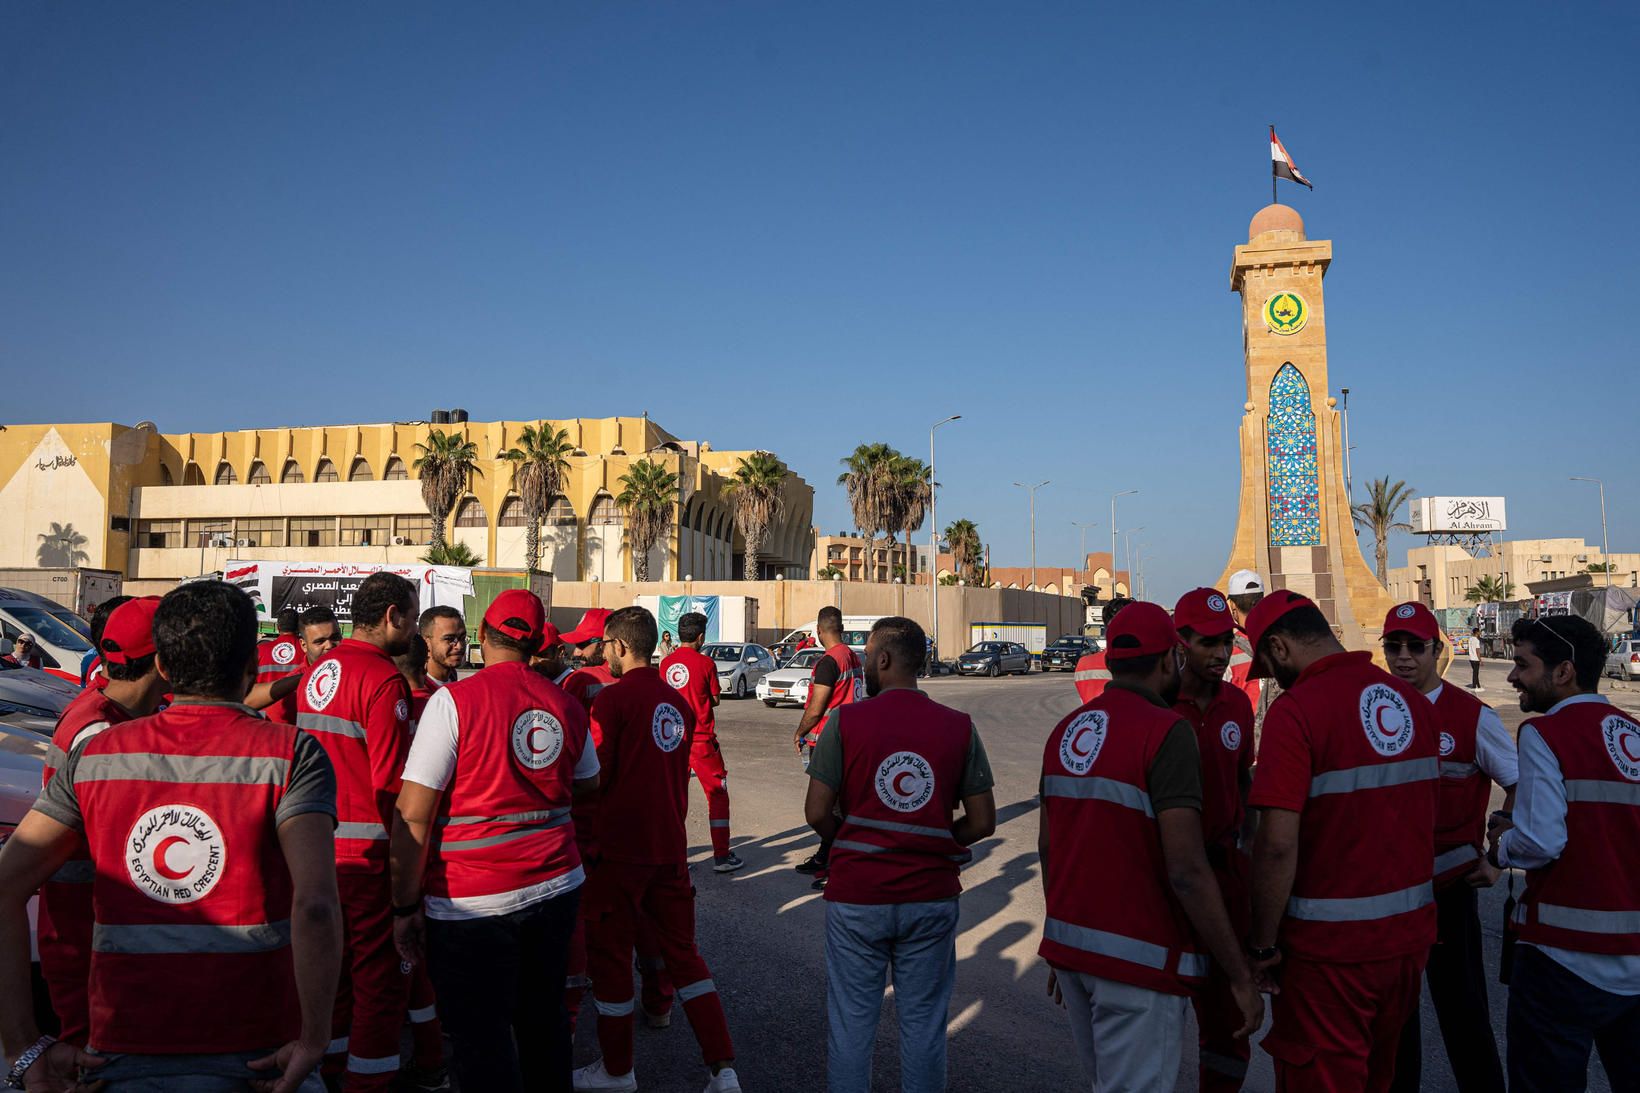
{"x": 804, "y": 226}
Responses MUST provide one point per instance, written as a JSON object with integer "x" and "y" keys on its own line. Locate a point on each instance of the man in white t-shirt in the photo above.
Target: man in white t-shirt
{"x": 1474, "y": 644}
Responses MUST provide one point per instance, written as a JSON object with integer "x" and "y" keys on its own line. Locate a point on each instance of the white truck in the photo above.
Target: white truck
{"x": 79, "y": 589}
{"x": 728, "y": 618}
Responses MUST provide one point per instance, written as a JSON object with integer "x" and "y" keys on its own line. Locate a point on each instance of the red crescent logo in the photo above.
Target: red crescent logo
{"x": 1378, "y": 719}
{"x": 1080, "y": 733}
{"x": 898, "y": 778}
{"x": 530, "y": 740}
{"x": 161, "y": 866}
{"x": 1624, "y": 740}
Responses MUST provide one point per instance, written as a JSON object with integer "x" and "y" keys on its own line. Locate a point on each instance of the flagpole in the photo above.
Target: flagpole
{"x": 1273, "y": 199}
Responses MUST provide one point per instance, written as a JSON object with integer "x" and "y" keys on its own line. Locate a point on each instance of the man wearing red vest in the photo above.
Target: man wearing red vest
{"x": 587, "y": 639}
{"x": 1345, "y": 851}
{"x": 1246, "y": 589}
{"x": 1476, "y": 752}
{"x": 552, "y": 659}
{"x": 131, "y": 688}
{"x": 695, "y": 679}
{"x": 484, "y": 856}
{"x": 355, "y": 702}
{"x": 1091, "y": 672}
{"x": 835, "y": 681}
{"x": 283, "y": 655}
{"x": 1223, "y": 722}
{"x": 217, "y": 940}
{"x": 642, "y": 732}
{"x": 896, "y": 768}
{"x": 1121, "y": 801}
{"x": 1576, "y": 979}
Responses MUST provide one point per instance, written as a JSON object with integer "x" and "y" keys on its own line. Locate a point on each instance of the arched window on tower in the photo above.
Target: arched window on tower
{"x": 259, "y": 475}
{"x": 1295, "y": 495}
{"x": 292, "y": 472}
{"x": 225, "y": 475}
{"x": 326, "y": 472}
{"x": 395, "y": 471}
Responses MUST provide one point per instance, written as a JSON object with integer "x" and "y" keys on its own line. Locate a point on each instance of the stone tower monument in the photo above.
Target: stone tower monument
{"x": 1294, "y": 525}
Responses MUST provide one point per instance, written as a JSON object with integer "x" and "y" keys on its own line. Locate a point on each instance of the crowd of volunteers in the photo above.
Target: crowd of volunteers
{"x": 260, "y": 862}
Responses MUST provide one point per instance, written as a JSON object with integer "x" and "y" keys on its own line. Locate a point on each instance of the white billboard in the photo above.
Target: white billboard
{"x": 1457, "y": 515}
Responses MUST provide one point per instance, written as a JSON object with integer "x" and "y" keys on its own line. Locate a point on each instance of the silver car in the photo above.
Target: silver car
{"x": 739, "y": 666}
{"x": 1623, "y": 662}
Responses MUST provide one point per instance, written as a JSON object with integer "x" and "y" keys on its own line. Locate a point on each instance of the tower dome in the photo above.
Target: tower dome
{"x": 1275, "y": 218}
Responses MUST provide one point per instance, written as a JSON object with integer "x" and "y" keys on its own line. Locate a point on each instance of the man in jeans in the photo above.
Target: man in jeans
{"x": 898, "y": 765}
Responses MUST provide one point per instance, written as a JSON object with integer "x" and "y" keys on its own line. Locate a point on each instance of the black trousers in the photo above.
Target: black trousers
{"x": 1556, "y": 1017}
{"x": 1457, "y": 986}
{"x": 500, "y": 986}
{"x": 1474, "y": 674}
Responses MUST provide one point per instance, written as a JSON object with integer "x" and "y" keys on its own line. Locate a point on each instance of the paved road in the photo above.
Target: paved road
{"x": 761, "y": 930}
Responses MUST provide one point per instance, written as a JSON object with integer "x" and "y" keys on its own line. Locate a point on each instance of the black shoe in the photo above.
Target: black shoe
{"x": 814, "y": 863}
{"x": 422, "y": 1079}
{"x": 819, "y": 884}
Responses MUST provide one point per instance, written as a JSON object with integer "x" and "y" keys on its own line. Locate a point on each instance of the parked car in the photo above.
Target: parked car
{"x": 61, "y": 637}
{"x": 992, "y": 658}
{"x": 1623, "y": 662}
{"x": 34, "y": 693}
{"x": 790, "y": 683}
{"x": 1063, "y": 654}
{"x": 24, "y": 738}
{"x": 739, "y": 666}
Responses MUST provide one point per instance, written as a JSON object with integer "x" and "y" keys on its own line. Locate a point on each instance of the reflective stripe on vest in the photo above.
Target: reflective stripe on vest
{"x": 1451, "y": 859}
{"x": 190, "y": 938}
{"x": 321, "y": 722}
{"x": 259, "y": 770}
{"x": 1238, "y": 658}
{"x": 1362, "y": 908}
{"x": 557, "y": 817}
{"x": 1590, "y": 791}
{"x": 1092, "y": 673}
{"x": 1582, "y": 919}
{"x": 872, "y": 848}
{"x": 1374, "y": 776}
{"x": 1117, "y": 947}
{"x": 1097, "y": 789}
{"x": 346, "y": 830}
{"x": 1459, "y": 770}
{"x": 890, "y": 825}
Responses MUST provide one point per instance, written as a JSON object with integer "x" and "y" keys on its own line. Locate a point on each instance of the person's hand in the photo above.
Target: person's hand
{"x": 1053, "y": 988}
{"x": 797, "y": 742}
{"x": 1251, "y": 1004}
{"x": 58, "y": 1070}
{"x": 1484, "y": 875}
{"x": 294, "y": 1062}
{"x": 1494, "y": 835}
{"x": 1264, "y": 974}
{"x": 410, "y": 936}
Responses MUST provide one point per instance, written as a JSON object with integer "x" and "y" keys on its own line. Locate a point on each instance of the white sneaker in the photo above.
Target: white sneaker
{"x": 595, "y": 1077}
{"x": 724, "y": 1081}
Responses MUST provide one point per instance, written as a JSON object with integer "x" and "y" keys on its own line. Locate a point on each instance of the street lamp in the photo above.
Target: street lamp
{"x": 1349, "y": 484}
{"x": 1083, "y": 557}
{"x": 1032, "y": 491}
{"x": 1127, "y": 545}
{"x": 1605, "y": 549}
{"x": 934, "y": 542}
{"x": 1139, "y": 578}
{"x": 1113, "y": 497}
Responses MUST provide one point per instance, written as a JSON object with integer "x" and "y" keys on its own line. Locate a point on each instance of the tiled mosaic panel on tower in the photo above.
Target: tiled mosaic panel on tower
{"x": 1295, "y": 504}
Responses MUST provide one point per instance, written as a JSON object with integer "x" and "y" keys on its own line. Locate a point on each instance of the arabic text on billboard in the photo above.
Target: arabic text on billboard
{"x": 1459, "y": 515}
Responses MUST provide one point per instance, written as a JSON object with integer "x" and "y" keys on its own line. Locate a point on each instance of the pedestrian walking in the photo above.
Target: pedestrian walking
{"x": 1575, "y": 985}
{"x": 1092, "y": 673}
{"x": 1474, "y": 650}
{"x": 695, "y": 678}
{"x": 895, "y": 768}
{"x": 218, "y": 931}
{"x": 1476, "y": 753}
{"x": 1129, "y": 889}
{"x": 835, "y": 681}
{"x": 485, "y": 866}
{"x": 1343, "y": 906}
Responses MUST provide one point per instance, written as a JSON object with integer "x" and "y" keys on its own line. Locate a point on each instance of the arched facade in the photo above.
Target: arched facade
{"x": 225, "y": 475}
{"x": 326, "y": 472}
{"x": 395, "y": 470}
{"x": 259, "y": 475}
{"x": 360, "y": 471}
{"x": 292, "y": 472}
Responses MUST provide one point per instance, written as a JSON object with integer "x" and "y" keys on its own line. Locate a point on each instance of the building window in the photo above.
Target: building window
{"x": 395, "y": 470}
{"x": 415, "y": 529}
{"x": 605, "y": 513}
{"x": 292, "y": 472}
{"x": 367, "y": 530}
{"x": 326, "y": 472}
{"x": 472, "y": 515}
{"x": 360, "y": 471}
{"x": 165, "y": 478}
{"x": 225, "y": 475}
{"x": 159, "y": 534}
{"x": 312, "y": 531}
{"x": 561, "y": 513}
{"x": 261, "y": 532}
{"x": 206, "y": 532}
{"x": 512, "y": 514}
{"x": 259, "y": 475}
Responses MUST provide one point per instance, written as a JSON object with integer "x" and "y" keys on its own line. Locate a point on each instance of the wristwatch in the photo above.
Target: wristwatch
{"x": 14, "y": 1077}
{"x": 1261, "y": 955}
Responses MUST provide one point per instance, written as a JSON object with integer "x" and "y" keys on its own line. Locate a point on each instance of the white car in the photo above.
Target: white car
{"x": 1623, "y": 662}
{"x": 740, "y": 666}
{"x": 790, "y": 682}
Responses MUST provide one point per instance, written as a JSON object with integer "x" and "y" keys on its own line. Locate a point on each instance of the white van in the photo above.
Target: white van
{"x": 856, "y": 628}
{"x": 62, "y": 637}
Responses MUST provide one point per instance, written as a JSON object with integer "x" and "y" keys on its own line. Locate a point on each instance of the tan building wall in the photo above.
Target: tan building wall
{"x": 1440, "y": 576}
{"x": 862, "y": 561}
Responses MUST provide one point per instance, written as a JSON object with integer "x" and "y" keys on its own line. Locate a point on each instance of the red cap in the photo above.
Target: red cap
{"x": 1139, "y": 629}
{"x": 550, "y": 636}
{"x": 129, "y": 633}
{"x": 591, "y": 627}
{"x": 1414, "y": 619}
{"x": 1204, "y": 611}
{"x": 517, "y": 613}
{"x": 1265, "y": 615}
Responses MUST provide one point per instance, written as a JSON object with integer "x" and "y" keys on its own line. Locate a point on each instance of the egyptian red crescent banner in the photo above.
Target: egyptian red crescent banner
{"x": 1282, "y": 163}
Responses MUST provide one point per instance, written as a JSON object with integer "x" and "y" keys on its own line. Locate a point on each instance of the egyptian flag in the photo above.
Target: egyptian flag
{"x": 1282, "y": 163}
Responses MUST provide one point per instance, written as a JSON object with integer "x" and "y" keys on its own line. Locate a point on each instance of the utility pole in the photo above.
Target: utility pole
{"x": 1032, "y": 491}
{"x": 1605, "y": 548}
{"x": 934, "y": 546}
{"x": 1127, "y": 544}
{"x": 1349, "y": 485}
{"x": 1113, "y": 497}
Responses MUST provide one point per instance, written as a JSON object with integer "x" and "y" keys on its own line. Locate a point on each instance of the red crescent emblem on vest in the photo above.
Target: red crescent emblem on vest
{"x": 537, "y": 731}
{"x": 1378, "y": 719}
{"x": 900, "y": 777}
{"x": 1080, "y": 733}
{"x": 161, "y": 866}
{"x": 1624, "y": 740}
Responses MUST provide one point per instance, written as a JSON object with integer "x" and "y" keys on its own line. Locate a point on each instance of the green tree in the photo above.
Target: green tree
{"x": 540, "y": 463}
{"x": 962, "y": 539}
{"x": 445, "y": 465}
{"x": 913, "y": 488}
{"x": 648, "y": 493}
{"x": 871, "y": 478}
{"x": 757, "y": 496}
{"x": 1601, "y": 567}
{"x": 829, "y": 573}
{"x": 1380, "y": 513}
{"x": 1490, "y": 590}
{"x": 452, "y": 554}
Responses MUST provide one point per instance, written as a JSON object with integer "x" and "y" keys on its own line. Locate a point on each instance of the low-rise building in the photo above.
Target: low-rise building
{"x": 850, "y": 557}
{"x": 1441, "y": 576}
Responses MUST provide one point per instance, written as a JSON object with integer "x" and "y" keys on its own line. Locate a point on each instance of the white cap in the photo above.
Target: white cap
{"x": 1243, "y": 581}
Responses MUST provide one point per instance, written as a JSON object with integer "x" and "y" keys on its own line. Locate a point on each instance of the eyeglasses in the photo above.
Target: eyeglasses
{"x": 1523, "y": 627}
{"x": 1415, "y": 646}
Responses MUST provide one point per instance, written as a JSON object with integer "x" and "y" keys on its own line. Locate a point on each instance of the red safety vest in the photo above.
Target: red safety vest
{"x": 357, "y": 705}
{"x": 1091, "y": 676}
{"x": 1241, "y": 667}
{"x": 1224, "y": 736}
{"x": 584, "y": 684}
{"x": 279, "y": 658}
{"x": 850, "y": 686}
{"x": 191, "y": 948}
{"x": 1111, "y": 909}
{"x": 504, "y": 825}
{"x": 1460, "y": 812}
{"x": 1588, "y": 899}
{"x": 1366, "y": 843}
{"x": 903, "y": 759}
{"x": 694, "y": 676}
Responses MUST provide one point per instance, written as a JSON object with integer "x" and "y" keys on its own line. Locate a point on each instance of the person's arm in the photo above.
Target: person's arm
{"x": 818, "y": 808}
{"x": 1536, "y": 835}
{"x": 979, "y": 805}
{"x": 263, "y": 695}
{"x": 714, "y": 689}
{"x": 1275, "y": 864}
{"x": 826, "y": 779}
{"x": 821, "y": 683}
{"x": 1192, "y": 881}
{"x": 588, "y": 774}
{"x": 427, "y": 771}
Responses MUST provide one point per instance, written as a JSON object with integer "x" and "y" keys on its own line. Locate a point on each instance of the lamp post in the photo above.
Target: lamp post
{"x": 1349, "y": 485}
{"x": 1083, "y": 558}
{"x": 1032, "y": 491}
{"x": 934, "y": 544}
{"x": 1139, "y": 579}
{"x": 1127, "y": 545}
{"x": 1113, "y": 497}
{"x": 1605, "y": 549}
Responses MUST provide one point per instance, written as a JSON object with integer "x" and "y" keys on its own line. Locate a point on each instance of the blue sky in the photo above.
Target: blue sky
{"x": 805, "y": 226}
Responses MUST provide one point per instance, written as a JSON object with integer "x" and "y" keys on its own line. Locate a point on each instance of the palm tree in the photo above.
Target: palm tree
{"x": 1379, "y": 512}
{"x": 1490, "y": 590}
{"x": 540, "y": 463}
{"x": 757, "y": 494}
{"x": 444, "y": 467}
{"x": 648, "y": 493}
{"x": 873, "y": 490}
{"x": 962, "y": 537}
{"x": 452, "y": 554}
{"x": 914, "y": 486}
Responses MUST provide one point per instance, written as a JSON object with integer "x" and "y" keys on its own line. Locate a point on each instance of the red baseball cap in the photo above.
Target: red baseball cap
{"x": 1414, "y": 619}
{"x": 1265, "y": 615}
{"x": 129, "y": 632}
{"x": 517, "y": 613}
{"x": 591, "y": 627}
{"x": 1139, "y": 629}
{"x": 550, "y": 636}
{"x": 1204, "y": 611}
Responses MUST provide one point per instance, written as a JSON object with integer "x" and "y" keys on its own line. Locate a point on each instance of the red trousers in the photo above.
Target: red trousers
{"x": 1337, "y": 1027}
{"x": 374, "y": 991}
{"x": 1223, "y": 1058}
{"x": 427, "y": 1035}
{"x": 706, "y": 760}
{"x": 617, "y": 896}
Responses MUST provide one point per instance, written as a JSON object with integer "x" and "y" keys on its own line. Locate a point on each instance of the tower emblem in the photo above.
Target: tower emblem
{"x": 1286, "y": 313}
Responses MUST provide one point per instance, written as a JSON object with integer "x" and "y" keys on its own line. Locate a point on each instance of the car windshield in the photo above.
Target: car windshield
{"x": 730, "y": 653}
{"x": 80, "y": 626}
{"x": 804, "y": 659}
{"x": 987, "y": 647}
{"x": 49, "y": 628}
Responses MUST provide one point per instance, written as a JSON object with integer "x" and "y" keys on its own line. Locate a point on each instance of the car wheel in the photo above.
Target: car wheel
{"x": 740, "y": 687}
{"x": 995, "y": 669}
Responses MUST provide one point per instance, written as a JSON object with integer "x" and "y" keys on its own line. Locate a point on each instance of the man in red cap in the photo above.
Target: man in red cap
{"x": 695, "y": 678}
{"x": 587, "y": 639}
{"x": 1223, "y": 721}
{"x": 1091, "y": 672}
{"x": 1476, "y": 752}
{"x": 1345, "y": 851}
{"x": 484, "y": 855}
{"x": 1121, "y": 803}
{"x": 552, "y": 659}
{"x": 132, "y": 687}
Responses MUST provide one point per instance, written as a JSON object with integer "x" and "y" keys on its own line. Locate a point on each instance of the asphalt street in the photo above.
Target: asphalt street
{"x": 762, "y": 930}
